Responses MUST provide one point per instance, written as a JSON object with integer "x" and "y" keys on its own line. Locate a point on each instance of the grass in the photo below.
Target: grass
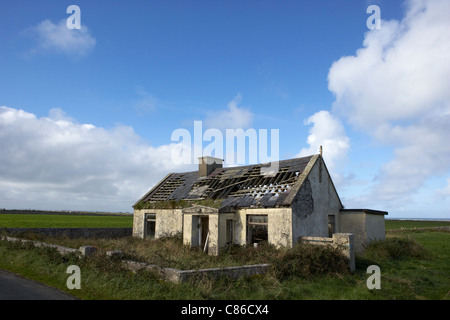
{"x": 414, "y": 265}
{"x": 185, "y": 258}
{"x": 408, "y": 224}
{"x": 64, "y": 221}
{"x": 104, "y": 278}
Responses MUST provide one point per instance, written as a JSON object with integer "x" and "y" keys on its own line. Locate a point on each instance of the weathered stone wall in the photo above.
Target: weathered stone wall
{"x": 190, "y": 231}
{"x": 213, "y": 241}
{"x": 168, "y": 222}
{"x": 315, "y": 201}
{"x": 138, "y": 223}
{"x": 177, "y": 276}
{"x": 279, "y": 225}
{"x": 84, "y": 250}
{"x": 344, "y": 241}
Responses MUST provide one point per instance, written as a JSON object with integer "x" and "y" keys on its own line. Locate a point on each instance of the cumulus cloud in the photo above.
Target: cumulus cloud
{"x": 395, "y": 88}
{"x": 232, "y": 117}
{"x": 327, "y": 131}
{"x": 58, "y": 38}
{"x": 56, "y": 163}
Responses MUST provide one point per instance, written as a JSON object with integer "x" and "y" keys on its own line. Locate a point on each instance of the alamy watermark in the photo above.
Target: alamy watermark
{"x": 374, "y": 281}
{"x": 374, "y": 21}
{"x": 188, "y": 150}
{"x": 73, "y": 281}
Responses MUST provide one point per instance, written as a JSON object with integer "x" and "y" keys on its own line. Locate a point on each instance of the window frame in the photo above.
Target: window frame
{"x": 257, "y": 224}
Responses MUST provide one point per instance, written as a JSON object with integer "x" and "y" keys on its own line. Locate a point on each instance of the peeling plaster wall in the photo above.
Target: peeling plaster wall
{"x": 190, "y": 234}
{"x": 223, "y": 217}
{"x": 315, "y": 200}
{"x": 168, "y": 222}
{"x": 138, "y": 224}
{"x": 213, "y": 243}
{"x": 279, "y": 225}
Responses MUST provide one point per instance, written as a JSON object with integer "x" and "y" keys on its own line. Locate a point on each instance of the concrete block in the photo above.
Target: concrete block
{"x": 115, "y": 254}
{"x": 88, "y": 250}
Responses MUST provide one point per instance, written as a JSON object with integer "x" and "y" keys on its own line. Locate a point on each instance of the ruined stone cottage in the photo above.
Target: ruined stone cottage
{"x": 216, "y": 206}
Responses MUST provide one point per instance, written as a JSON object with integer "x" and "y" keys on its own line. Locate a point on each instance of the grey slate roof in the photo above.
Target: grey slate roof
{"x": 244, "y": 186}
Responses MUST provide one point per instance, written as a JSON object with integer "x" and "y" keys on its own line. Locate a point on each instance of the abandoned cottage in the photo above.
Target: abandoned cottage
{"x": 216, "y": 206}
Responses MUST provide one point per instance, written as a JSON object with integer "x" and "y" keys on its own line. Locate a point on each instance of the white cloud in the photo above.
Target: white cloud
{"x": 401, "y": 73}
{"x": 58, "y": 38}
{"x": 328, "y": 132}
{"x": 396, "y": 89}
{"x": 231, "y": 118}
{"x": 445, "y": 192}
{"x": 56, "y": 163}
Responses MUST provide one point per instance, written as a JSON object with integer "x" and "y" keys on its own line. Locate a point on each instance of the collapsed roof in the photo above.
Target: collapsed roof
{"x": 244, "y": 186}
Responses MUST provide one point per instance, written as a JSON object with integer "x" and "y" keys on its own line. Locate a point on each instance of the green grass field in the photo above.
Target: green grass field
{"x": 105, "y": 221}
{"x": 64, "y": 221}
{"x": 414, "y": 265}
{"x": 398, "y": 224}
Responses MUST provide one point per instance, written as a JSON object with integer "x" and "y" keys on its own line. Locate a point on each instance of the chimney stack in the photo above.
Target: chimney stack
{"x": 207, "y": 165}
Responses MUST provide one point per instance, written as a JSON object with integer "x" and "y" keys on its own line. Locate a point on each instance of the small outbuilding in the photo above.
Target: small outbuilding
{"x": 216, "y": 206}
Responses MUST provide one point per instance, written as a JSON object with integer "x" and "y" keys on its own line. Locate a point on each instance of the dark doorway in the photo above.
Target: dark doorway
{"x": 331, "y": 225}
{"x": 204, "y": 230}
{"x": 150, "y": 225}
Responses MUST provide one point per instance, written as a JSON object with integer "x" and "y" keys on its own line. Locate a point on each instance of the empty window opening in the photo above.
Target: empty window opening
{"x": 331, "y": 225}
{"x": 230, "y": 231}
{"x": 150, "y": 225}
{"x": 257, "y": 230}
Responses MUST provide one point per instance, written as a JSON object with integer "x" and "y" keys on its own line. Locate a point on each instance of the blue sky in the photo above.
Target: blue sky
{"x": 87, "y": 115}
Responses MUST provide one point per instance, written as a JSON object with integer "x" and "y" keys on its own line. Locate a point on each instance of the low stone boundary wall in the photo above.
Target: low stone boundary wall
{"x": 344, "y": 241}
{"x": 177, "y": 276}
{"x": 168, "y": 274}
{"x": 85, "y": 250}
{"x": 92, "y": 233}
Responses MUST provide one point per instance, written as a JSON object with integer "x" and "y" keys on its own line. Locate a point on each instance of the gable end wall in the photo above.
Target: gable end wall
{"x": 316, "y": 199}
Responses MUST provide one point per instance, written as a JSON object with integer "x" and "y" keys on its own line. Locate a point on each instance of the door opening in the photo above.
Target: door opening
{"x": 203, "y": 232}
{"x": 150, "y": 225}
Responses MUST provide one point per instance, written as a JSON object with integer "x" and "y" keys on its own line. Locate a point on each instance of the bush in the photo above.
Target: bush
{"x": 307, "y": 260}
{"x": 395, "y": 248}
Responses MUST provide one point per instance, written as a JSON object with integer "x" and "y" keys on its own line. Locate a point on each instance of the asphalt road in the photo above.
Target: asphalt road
{"x": 15, "y": 287}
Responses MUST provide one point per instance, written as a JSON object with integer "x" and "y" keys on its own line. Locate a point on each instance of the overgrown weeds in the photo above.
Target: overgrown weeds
{"x": 397, "y": 248}
{"x": 306, "y": 260}
{"x": 303, "y": 272}
{"x": 303, "y": 259}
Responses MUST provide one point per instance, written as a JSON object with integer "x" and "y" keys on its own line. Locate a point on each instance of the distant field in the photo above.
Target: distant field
{"x": 64, "y": 221}
{"x": 408, "y": 224}
{"x": 82, "y": 220}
